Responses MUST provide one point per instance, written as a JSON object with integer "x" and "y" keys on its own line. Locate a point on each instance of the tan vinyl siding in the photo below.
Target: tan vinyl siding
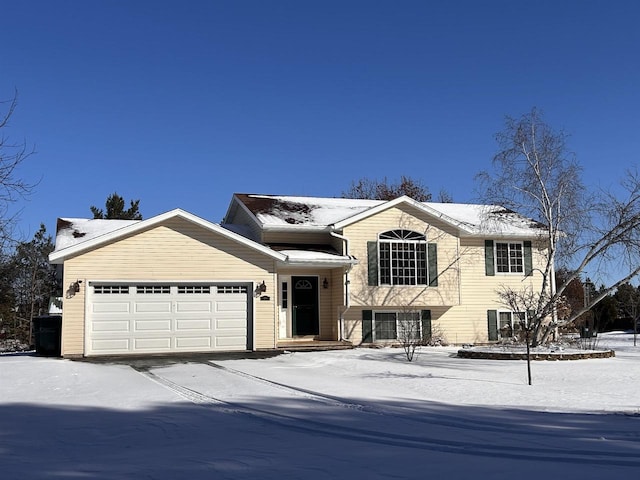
{"x": 464, "y": 293}
{"x": 447, "y": 291}
{"x": 308, "y": 238}
{"x": 175, "y": 251}
{"x": 467, "y": 323}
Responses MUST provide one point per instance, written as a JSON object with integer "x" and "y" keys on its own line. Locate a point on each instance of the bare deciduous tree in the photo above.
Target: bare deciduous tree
{"x": 12, "y": 154}
{"x": 584, "y": 230}
{"x": 366, "y": 188}
{"x": 409, "y": 331}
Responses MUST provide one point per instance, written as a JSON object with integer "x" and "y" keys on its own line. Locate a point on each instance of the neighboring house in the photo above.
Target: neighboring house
{"x": 282, "y": 271}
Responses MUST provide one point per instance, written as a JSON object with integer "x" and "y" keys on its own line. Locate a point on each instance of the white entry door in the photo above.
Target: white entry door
{"x": 158, "y": 318}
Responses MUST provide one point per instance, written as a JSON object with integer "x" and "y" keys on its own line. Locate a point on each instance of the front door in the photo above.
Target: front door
{"x": 305, "y": 306}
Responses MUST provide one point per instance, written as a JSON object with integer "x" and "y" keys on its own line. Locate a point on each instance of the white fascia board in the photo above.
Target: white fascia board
{"x": 58, "y": 257}
{"x": 237, "y": 203}
{"x": 318, "y": 263}
{"x": 392, "y": 203}
{"x": 504, "y": 235}
{"x": 296, "y": 228}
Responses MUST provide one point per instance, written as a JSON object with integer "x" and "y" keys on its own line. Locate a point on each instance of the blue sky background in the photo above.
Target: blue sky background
{"x": 183, "y": 103}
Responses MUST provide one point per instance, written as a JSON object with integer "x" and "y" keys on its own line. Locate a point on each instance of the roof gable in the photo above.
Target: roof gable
{"x": 76, "y": 236}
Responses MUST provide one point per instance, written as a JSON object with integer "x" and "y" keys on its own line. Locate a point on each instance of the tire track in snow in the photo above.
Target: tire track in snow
{"x": 464, "y": 423}
{"x": 422, "y": 442}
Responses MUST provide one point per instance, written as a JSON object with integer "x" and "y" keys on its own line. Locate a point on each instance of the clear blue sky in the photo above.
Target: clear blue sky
{"x": 183, "y": 103}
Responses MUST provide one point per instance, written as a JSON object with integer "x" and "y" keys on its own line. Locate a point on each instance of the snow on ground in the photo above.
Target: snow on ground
{"x": 363, "y": 413}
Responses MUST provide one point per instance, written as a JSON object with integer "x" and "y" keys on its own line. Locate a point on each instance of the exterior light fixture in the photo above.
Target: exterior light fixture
{"x": 325, "y": 283}
{"x": 260, "y": 289}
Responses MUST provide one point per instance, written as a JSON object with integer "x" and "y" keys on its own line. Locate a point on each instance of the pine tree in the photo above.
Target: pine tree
{"x": 114, "y": 207}
{"x": 33, "y": 281}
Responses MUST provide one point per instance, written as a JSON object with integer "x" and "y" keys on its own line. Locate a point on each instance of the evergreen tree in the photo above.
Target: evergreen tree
{"x": 114, "y": 207}
{"x": 627, "y": 299}
{"x": 33, "y": 281}
{"x": 7, "y": 298}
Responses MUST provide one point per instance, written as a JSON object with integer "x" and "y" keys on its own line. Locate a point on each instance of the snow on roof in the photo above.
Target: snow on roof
{"x": 280, "y": 211}
{"x": 487, "y": 219}
{"x": 272, "y": 210}
{"x": 71, "y": 231}
{"x": 306, "y": 256}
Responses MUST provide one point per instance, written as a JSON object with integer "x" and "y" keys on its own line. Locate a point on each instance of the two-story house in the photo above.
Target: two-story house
{"x": 281, "y": 271}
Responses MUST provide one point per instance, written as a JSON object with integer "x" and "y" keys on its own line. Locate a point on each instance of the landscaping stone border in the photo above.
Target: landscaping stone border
{"x": 495, "y": 355}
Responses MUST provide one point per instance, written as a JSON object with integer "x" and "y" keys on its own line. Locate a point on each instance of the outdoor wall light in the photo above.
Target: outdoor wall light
{"x": 75, "y": 286}
{"x": 260, "y": 289}
{"x": 325, "y": 283}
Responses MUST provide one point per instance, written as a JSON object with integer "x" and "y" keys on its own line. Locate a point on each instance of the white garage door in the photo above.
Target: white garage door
{"x": 145, "y": 318}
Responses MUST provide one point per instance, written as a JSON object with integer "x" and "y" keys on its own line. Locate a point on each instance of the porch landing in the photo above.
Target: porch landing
{"x": 308, "y": 345}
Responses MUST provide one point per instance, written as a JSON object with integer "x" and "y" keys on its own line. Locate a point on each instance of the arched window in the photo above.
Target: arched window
{"x": 402, "y": 258}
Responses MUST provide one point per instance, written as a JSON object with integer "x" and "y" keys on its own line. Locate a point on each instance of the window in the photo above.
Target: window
{"x": 285, "y": 294}
{"x": 509, "y": 257}
{"x": 402, "y": 258}
{"x": 510, "y": 323}
{"x": 110, "y": 289}
{"x": 232, "y": 289}
{"x": 190, "y": 289}
{"x": 396, "y": 325}
{"x": 153, "y": 289}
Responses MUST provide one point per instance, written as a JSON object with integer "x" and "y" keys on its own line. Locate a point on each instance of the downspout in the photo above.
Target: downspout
{"x": 347, "y": 301}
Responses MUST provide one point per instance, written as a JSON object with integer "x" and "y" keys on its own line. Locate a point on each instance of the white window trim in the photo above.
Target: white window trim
{"x": 512, "y": 314}
{"x": 401, "y": 241}
{"x": 395, "y": 312}
{"x": 495, "y": 257}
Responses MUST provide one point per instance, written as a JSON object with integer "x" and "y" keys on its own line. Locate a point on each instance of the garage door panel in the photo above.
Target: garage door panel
{"x": 152, "y": 325}
{"x": 112, "y": 307}
{"x": 193, "y": 324}
{"x": 231, "y": 306}
{"x": 112, "y": 345}
{"x": 161, "y": 344}
{"x": 153, "y": 307}
{"x": 236, "y": 343}
{"x": 193, "y": 343}
{"x": 198, "y": 306}
{"x": 229, "y": 323}
{"x": 111, "y": 326}
{"x": 165, "y": 318}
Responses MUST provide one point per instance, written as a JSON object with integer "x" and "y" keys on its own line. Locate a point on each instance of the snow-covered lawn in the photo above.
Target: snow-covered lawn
{"x": 364, "y": 413}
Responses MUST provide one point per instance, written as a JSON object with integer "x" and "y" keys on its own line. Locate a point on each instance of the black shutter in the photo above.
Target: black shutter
{"x": 425, "y": 318}
{"x": 528, "y": 260}
{"x": 372, "y": 263}
{"x": 432, "y": 258}
{"x": 367, "y": 326}
{"x": 489, "y": 265}
{"x": 492, "y": 324}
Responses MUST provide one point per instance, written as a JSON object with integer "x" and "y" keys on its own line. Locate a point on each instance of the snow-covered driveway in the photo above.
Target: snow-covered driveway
{"x": 360, "y": 413}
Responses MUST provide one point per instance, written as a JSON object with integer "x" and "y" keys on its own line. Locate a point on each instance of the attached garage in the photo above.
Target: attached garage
{"x": 173, "y": 283}
{"x": 140, "y": 318}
